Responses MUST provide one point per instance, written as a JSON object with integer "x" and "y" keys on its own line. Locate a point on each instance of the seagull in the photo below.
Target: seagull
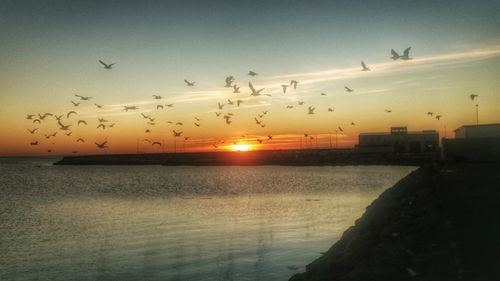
{"x": 253, "y": 74}
{"x": 254, "y": 92}
{"x": 151, "y": 123}
{"x": 102, "y": 120}
{"x": 238, "y": 102}
{"x": 270, "y": 137}
{"x": 218, "y": 113}
{"x": 146, "y": 140}
{"x": 69, "y": 113}
{"x": 473, "y": 96}
{"x": 257, "y": 121}
{"x": 159, "y": 106}
{"x": 311, "y": 110}
{"x": 54, "y": 134}
{"x": 152, "y": 119}
{"x": 294, "y": 83}
{"x": 349, "y": 90}
{"x": 284, "y": 86}
{"x": 365, "y": 68}
{"x": 111, "y": 125}
{"x": 353, "y": 124}
{"x": 30, "y": 116}
{"x": 330, "y": 109}
{"x": 145, "y": 116}
{"x": 430, "y": 113}
{"x": 62, "y": 126}
{"x": 80, "y": 140}
{"x": 75, "y": 103}
{"x": 58, "y": 117}
{"x": 236, "y": 89}
{"x": 147, "y": 131}
{"x": 42, "y": 117}
{"x": 215, "y": 145}
{"x": 169, "y": 105}
{"x": 83, "y": 97}
{"x": 300, "y": 103}
{"x": 127, "y": 108}
{"x": 101, "y": 126}
{"x": 323, "y": 94}
{"x": 177, "y": 134}
{"x": 289, "y": 106}
{"x": 179, "y": 123}
{"x": 197, "y": 119}
{"x": 36, "y": 120}
{"x": 388, "y": 110}
{"x": 229, "y": 81}
{"x": 340, "y": 129}
{"x": 47, "y": 136}
{"x": 32, "y": 131}
{"x": 34, "y": 143}
{"x": 405, "y": 55}
{"x": 228, "y": 120}
{"x": 68, "y": 134}
{"x": 220, "y": 106}
{"x": 190, "y": 84}
{"x": 155, "y": 143}
{"x": 107, "y": 66}
{"x": 230, "y": 102}
{"x": 197, "y": 124}
{"x": 395, "y": 55}
{"x": 259, "y": 140}
{"x": 82, "y": 122}
{"x": 156, "y": 97}
{"x": 101, "y": 145}
{"x": 438, "y": 117}
{"x": 98, "y": 105}
{"x": 265, "y": 112}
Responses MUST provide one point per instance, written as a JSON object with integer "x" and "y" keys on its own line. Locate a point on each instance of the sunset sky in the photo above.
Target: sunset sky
{"x": 50, "y": 50}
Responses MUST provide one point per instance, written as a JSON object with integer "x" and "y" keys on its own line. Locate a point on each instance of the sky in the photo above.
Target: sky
{"x": 50, "y": 50}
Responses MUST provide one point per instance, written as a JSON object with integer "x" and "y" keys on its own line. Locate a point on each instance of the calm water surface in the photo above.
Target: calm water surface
{"x": 175, "y": 223}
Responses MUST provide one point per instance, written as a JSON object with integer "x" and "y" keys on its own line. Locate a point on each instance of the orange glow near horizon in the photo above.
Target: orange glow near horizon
{"x": 241, "y": 147}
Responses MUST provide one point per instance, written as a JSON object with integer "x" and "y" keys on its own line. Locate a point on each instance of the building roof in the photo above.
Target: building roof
{"x": 480, "y": 125}
{"x": 425, "y": 132}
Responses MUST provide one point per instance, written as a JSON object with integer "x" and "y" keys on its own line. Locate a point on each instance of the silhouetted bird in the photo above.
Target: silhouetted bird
{"x": 107, "y": 66}
{"x": 83, "y": 97}
{"x": 254, "y": 92}
{"x": 253, "y": 74}
{"x": 473, "y": 96}
{"x": 190, "y": 84}
{"x": 32, "y": 131}
{"x": 365, "y": 68}
{"x": 101, "y": 145}
{"x": 284, "y": 88}
{"x": 349, "y": 90}
{"x": 294, "y": 83}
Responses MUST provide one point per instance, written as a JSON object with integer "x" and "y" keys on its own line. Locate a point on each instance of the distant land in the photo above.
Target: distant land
{"x": 310, "y": 157}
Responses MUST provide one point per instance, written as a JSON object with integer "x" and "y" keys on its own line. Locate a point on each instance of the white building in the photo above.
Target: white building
{"x": 478, "y": 131}
{"x": 399, "y": 140}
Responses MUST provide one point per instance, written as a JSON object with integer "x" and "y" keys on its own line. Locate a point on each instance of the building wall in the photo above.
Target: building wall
{"x": 412, "y": 142}
{"x": 480, "y": 131}
{"x": 471, "y": 149}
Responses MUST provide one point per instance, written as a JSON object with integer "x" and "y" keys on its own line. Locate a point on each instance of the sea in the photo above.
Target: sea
{"x": 176, "y": 223}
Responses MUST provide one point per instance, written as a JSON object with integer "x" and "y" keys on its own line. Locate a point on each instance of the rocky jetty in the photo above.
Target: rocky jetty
{"x": 438, "y": 223}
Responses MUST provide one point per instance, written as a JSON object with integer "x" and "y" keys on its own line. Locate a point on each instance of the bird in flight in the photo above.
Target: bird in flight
{"x": 82, "y": 122}
{"x": 252, "y": 73}
{"x": 238, "y": 102}
{"x": 270, "y": 137}
{"x": 62, "y": 126}
{"x": 101, "y": 126}
{"x": 98, "y": 105}
{"x": 188, "y": 83}
{"x": 311, "y": 110}
{"x": 473, "y": 96}
{"x": 32, "y": 131}
{"x": 34, "y": 143}
{"x": 75, "y": 103}
{"x": 102, "y": 120}
{"x": 230, "y": 102}
{"x": 58, "y": 117}
{"x": 405, "y": 56}
{"x": 388, "y": 110}
{"x": 340, "y": 129}
{"x": 284, "y": 86}
{"x": 42, "y": 117}
{"x": 229, "y": 81}
{"x": 220, "y": 105}
{"x": 294, "y": 83}
{"x": 159, "y": 106}
{"x": 330, "y": 109}
{"x": 169, "y": 105}
{"x": 197, "y": 124}
{"x": 300, "y": 103}
{"x": 236, "y": 89}
{"x": 155, "y": 143}
{"x": 365, "y": 68}
{"x": 430, "y": 113}
{"x": 68, "y": 134}
{"x": 101, "y": 145}
{"x": 289, "y": 106}
{"x": 353, "y": 124}
{"x": 107, "y": 66}
{"x": 177, "y": 134}
{"x": 36, "y": 121}
{"x": 80, "y": 140}
{"x": 83, "y": 97}
{"x": 218, "y": 113}
{"x": 349, "y": 90}
{"x": 156, "y": 97}
{"x": 438, "y": 117}
{"x": 323, "y": 94}
{"x": 30, "y": 116}
{"x": 127, "y": 108}
{"x": 254, "y": 92}
{"x": 145, "y": 116}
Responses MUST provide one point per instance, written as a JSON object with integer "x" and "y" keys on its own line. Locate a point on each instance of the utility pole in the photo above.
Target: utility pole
{"x": 477, "y": 114}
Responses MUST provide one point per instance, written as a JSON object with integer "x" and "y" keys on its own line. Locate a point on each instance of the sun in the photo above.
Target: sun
{"x": 240, "y": 147}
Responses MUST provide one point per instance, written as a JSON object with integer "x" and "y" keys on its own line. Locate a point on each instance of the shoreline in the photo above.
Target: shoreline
{"x": 313, "y": 157}
{"x": 437, "y": 223}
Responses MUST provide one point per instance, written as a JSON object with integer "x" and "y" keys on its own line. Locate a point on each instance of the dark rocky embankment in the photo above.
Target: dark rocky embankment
{"x": 309, "y": 157}
{"x": 439, "y": 223}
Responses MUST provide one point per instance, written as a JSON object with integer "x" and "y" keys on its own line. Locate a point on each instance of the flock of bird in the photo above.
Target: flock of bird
{"x": 69, "y": 119}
